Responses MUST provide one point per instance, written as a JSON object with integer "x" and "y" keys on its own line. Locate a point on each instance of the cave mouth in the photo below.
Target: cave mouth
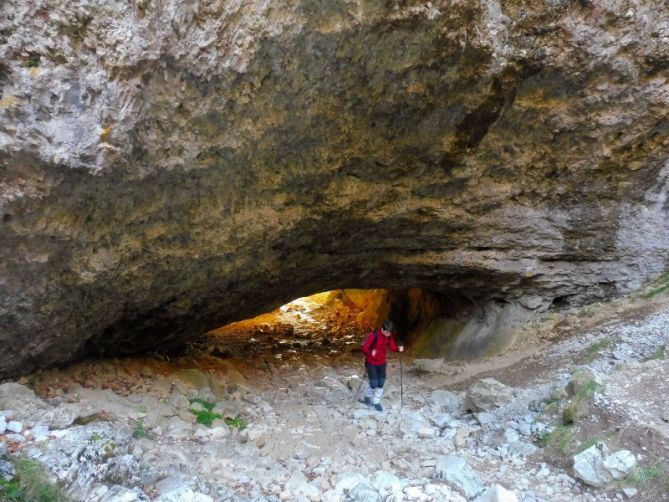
{"x": 330, "y": 323}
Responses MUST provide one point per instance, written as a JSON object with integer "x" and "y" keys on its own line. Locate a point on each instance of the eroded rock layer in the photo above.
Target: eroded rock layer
{"x": 169, "y": 167}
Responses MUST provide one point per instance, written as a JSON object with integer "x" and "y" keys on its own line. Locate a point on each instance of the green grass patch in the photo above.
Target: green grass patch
{"x": 560, "y": 438}
{"x": 595, "y": 349}
{"x": 658, "y": 355}
{"x": 587, "y": 390}
{"x": 593, "y": 440}
{"x": 31, "y": 485}
{"x": 660, "y": 286}
{"x": 95, "y": 437}
{"x": 643, "y": 475}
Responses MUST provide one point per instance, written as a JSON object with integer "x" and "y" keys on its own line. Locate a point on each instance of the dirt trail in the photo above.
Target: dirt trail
{"x": 124, "y": 429}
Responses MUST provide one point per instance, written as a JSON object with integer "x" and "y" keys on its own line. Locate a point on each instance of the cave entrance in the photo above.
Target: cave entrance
{"x": 328, "y": 323}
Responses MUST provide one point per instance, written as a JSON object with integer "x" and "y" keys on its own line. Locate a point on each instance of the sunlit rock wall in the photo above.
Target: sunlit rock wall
{"x": 167, "y": 167}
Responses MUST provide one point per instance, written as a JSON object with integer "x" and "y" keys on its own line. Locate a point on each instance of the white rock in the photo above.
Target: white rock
{"x": 413, "y": 492}
{"x": 630, "y": 491}
{"x": 196, "y": 406}
{"x": 456, "y": 472}
{"x": 487, "y": 394}
{"x": 386, "y": 482}
{"x": 446, "y": 399}
{"x": 511, "y": 435}
{"x": 364, "y": 492}
{"x": 485, "y": 418}
{"x": 620, "y": 463}
{"x": 522, "y": 448}
{"x": 299, "y": 485}
{"x": 184, "y": 494}
{"x": 426, "y": 432}
{"x": 589, "y": 466}
{"x": 40, "y": 433}
{"x": 15, "y": 426}
{"x": 442, "y": 420}
{"x": 497, "y": 493}
{"x": 3, "y": 425}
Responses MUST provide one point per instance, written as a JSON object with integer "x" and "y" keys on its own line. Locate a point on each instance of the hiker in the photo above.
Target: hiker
{"x": 374, "y": 348}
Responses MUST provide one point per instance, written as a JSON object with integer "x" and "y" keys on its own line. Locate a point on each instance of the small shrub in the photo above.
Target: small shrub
{"x": 95, "y": 437}
{"x": 139, "y": 430}
{"x": 33, "y": 61}
{"x": 575, "y": 407}
{"x": 643, "y": 475}
{"x": 236, "y": 422}
{"x": 31, "y": 485}
{"x": 206, "y": 416}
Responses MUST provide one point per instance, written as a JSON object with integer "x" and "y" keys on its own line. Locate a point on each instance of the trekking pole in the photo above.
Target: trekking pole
{"x": 357, "y": 396}
{"x": 401, "y": 383}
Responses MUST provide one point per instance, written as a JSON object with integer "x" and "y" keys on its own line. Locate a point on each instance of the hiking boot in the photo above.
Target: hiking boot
{"x": 367, "y": 401}
{"x": 378, "y": 407}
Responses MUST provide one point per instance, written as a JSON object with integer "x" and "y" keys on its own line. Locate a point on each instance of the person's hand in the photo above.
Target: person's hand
{"x": 373, "y": 352}
{"x": 401, "y": 347}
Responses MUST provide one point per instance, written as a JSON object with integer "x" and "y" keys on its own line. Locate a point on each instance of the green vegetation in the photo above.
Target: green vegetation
{"x": 95, "y": 437}
{"x": 595, "y": 349}
{"x": 552, "y": 406}
{"x": 660, "y": 286}
{"x": 206, "y": 416}
{"x": 139, "y": 430}
{"x": 644, "y": 475}
{"x": 33, "y": 61}
{"x": 591, "y": 441}
{"x": 142, "y": 409}
{"x": 560, "y": 437}
{"x": 236, "y": 422}
{"x": 31, "y": 484}
{"x": 575, "y": 406}
{"x": 659, "y": 354}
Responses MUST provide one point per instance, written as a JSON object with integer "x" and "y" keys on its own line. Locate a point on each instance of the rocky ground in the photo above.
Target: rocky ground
{"x": 578, "y": 414}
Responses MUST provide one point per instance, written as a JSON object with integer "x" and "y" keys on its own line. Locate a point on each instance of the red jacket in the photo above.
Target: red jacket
{"x": 383, "y": 343}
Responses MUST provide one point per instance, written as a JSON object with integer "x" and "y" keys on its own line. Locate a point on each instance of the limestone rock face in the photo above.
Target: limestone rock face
{"x": 169, "y": 167}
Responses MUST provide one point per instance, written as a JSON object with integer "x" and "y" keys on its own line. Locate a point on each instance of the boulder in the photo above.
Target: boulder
{"x": 596, "y": 467}
{"x": 486, "y": 395}
{"x": 447, "y": 400}
{"x": 455, "y": 471}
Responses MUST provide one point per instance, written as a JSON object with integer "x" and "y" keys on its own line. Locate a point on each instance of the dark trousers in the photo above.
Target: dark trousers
{"x": 377, "y": 375}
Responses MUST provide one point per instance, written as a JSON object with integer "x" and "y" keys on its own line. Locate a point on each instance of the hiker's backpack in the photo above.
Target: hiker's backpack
{"x": 376, "y": 339}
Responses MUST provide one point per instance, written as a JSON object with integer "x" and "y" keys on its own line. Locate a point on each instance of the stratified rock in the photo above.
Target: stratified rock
{"x": 168, "y": 168}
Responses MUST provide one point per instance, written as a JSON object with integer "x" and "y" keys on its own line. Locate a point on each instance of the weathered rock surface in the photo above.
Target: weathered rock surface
{"x": 167, "y": 170}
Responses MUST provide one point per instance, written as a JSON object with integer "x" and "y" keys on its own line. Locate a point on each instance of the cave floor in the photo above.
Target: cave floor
{"x": 123, "y": 429}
